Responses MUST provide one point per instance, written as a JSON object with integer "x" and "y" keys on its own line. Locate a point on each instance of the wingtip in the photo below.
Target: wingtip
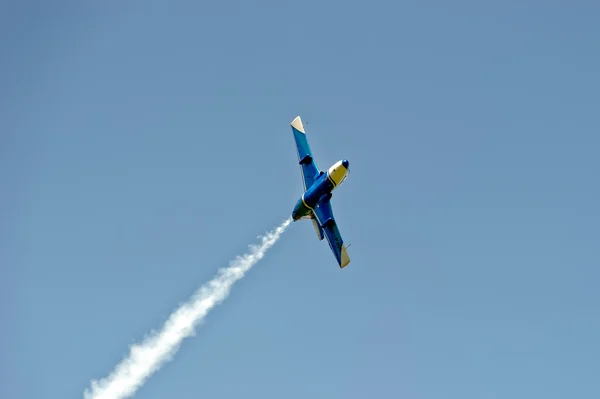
{"x": 297, "y": 124}
{"x": 345, "y": 258}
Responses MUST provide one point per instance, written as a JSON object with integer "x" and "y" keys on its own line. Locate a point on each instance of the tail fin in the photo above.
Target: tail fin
{"x": 318, "y": 229}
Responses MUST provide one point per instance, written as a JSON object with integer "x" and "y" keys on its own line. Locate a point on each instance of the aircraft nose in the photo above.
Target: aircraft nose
{"x": 345, "y": 163}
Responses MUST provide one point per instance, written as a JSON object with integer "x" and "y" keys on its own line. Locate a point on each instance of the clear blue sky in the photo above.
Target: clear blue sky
{"x": 144, "y": 144}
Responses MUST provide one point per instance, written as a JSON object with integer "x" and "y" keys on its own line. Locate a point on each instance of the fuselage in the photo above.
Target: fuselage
{"x": 324, "y": 185}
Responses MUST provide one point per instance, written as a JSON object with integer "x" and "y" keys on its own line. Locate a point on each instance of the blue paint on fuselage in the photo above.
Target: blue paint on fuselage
{"x": 309, "y": 199}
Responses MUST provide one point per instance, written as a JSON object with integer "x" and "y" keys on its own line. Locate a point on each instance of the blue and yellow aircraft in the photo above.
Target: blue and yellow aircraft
{"x": 315, "y": 203}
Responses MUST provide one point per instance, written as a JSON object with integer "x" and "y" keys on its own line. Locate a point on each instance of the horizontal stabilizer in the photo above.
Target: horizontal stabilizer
{"x": 318, "y": 229}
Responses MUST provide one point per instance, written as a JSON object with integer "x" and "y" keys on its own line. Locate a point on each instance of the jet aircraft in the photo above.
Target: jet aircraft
{"x": 315, "y": 202}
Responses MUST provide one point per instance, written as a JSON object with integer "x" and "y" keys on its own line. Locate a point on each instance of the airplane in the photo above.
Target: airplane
{"x": 315, "y": 202}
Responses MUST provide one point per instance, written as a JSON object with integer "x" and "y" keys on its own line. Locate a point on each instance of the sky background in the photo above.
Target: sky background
{"x": 145, "y": 144}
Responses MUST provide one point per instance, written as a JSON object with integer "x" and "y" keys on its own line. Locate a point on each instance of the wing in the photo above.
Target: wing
{"x": 308, "y": 167}
{"x": 324, "y": 215}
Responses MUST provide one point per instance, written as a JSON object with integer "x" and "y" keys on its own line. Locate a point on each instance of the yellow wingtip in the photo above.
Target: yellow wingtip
{"x": 345, "y": 257}
{"x": 297, "y": 124}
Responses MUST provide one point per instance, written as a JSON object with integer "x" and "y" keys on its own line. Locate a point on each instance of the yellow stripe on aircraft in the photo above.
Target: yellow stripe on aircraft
{"x": 337, "y": 173}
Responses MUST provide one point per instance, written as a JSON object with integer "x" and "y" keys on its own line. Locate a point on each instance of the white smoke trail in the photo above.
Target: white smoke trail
{"x": 147, "y": 357}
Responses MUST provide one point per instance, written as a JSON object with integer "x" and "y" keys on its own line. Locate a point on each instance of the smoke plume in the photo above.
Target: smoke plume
{"x": 147, "y": 357}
